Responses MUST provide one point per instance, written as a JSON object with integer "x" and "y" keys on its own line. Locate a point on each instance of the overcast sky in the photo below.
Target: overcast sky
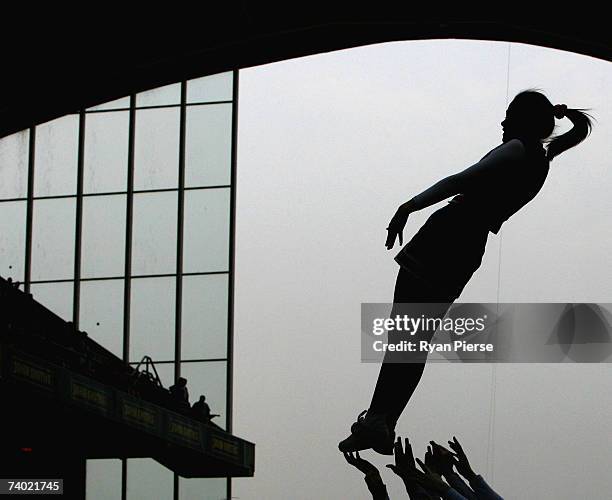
{"x": 329, "y": 146}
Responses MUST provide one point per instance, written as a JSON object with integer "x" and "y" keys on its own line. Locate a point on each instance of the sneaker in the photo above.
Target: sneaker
{"x": 369, "y": 431}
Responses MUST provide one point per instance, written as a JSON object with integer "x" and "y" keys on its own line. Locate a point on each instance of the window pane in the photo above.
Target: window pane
{"x": 103, "y": 236}
{"x": 148, "y": 479}
{"x": 208, "y": 145}
{"x": 170, "y": 94}
{"x": 12, "y": 239}
{"x": 124, "y": 102}
{"x": 210, "y": 379}
{"x": 206, "y": 246}
{"x": 154, "y": 236}
{"x": 56, "y": 155}
{"x": 204, "y": 319}
{"x": 103, "y": 479}
{"x": 14, "y": 165}
{"x": 56, "y": 297}
{"x": 152, "y": 318}
{"x": 156, "y": 148}
{"x": 214, "y": 488}
{"x": 106, "y": 152}
{"x": 101, "y": 313}
{"x": 53, "y": 239}
{"x": 210, "y": 88}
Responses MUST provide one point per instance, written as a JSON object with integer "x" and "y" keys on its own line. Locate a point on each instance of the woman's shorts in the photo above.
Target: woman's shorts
{"x": 446, "y": 250}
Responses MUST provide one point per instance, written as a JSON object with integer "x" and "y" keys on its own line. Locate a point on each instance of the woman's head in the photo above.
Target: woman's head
{"x": 531, "y": 117}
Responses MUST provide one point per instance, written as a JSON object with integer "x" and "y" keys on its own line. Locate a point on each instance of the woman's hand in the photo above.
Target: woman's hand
{"x": 396, "y": 226}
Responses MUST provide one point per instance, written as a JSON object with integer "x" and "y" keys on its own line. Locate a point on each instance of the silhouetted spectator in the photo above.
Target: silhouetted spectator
{"x": 371, "y": 476}
{"x": 201, "y": 410}
{"x": 179, "y": 392}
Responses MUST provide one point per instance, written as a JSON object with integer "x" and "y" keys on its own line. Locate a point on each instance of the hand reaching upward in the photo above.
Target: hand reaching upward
{"x": 462, "y": 463}
{"x": 441, "y": 459}
{"x": 359, "y": 463}
{"x": 404, "y": 465}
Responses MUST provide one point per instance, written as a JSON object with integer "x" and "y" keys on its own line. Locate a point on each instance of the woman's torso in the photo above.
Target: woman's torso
{"x": 514, "y": 187}
{"x": 449, "y": 247}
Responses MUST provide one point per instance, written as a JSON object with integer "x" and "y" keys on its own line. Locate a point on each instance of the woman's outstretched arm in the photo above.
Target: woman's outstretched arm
{"x": 494, "y": 166}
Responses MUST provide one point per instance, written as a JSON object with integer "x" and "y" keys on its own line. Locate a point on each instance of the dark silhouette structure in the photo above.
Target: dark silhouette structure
{"x": 234, "y": 35}
{"x": 95, "y": 406}
{"x": 434, "y": 272}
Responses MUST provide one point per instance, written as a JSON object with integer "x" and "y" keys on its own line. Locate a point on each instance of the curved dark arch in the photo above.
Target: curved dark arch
{"x": 90, "y": 64}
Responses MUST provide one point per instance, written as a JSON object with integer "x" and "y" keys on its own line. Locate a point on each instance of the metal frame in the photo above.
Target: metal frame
{"x": 178, "y": 310}
{"x": 133, "y": 276}
{"x": 127, "y": 284}
{"x": 229, "y": 386}
{"x": 27, "y": 272}
{"x": 159, "y": 106}
{"x": 117, "y": 193}
{"x": 128, "y": 277}
{"x": 187, "y": 361}
{"x": 78, "y": 225}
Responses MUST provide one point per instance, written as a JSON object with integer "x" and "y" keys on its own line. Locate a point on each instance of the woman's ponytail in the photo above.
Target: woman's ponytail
{"x": 579, "y": 132}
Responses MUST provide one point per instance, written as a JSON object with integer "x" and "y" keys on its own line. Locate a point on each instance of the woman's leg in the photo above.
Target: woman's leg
{"x": 401, "y": 372}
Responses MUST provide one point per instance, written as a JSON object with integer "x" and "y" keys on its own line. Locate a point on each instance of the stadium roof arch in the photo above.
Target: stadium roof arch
{"x": 74, "y": 64}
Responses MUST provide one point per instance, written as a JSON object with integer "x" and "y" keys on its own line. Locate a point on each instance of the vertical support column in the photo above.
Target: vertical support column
{"x": 27, "y": 274}
{"x": 129, "y": 212}
{"x": 179, "y": 232}
{"x": 179, "y": 249}
{"x": 231, "y": 274}
{"x": 78, "y": 226}
{"x": 127, "y": 287}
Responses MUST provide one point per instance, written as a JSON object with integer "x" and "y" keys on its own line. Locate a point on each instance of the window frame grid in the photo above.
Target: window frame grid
{"x": 127, "y": 278}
